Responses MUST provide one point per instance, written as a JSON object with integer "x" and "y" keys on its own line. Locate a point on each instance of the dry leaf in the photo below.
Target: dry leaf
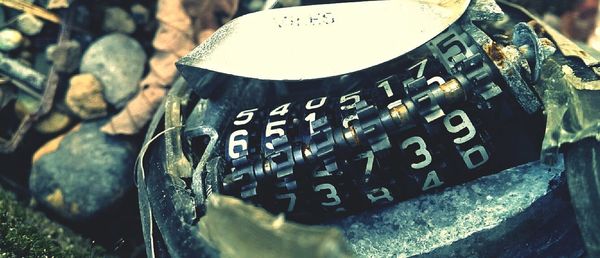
{"x": 183, "y": 24}
{"x": 208, "y": 16}
{"x": 55, "y": 4}
{"x": 30, "y": 8}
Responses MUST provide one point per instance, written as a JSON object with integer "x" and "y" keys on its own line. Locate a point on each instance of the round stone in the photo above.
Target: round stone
{"x": 29, "y": 24}
{"x": 118, "y": 20}
{"x": 84, "y": 97}
{"x": 118, "y": 62}
{"x": 10, "y": 39}
{"x": 82, "y": 173}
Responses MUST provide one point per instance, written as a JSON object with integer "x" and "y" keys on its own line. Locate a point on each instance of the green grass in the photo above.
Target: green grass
{"x": 27, "y": 233}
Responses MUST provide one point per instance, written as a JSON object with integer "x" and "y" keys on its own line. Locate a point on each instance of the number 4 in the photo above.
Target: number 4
{"x": 281, "y": 110}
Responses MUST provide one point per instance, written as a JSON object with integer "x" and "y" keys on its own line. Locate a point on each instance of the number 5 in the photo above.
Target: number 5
{"x": 353, "y": 97}
{"x": 248, "y": 114}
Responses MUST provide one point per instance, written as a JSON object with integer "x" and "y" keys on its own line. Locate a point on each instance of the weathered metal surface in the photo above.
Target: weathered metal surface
{"x": 308, "y": 42}
{"x": 521, "y": 211}
{"x": 583, "y": 170}
{"x": 524, "y": 211}
{"x": 167, "y": 206}
{"x": 573, "y": 126}
{"x": 265, "y": 235}
{"x": 566, "y": 46}
{"x": 507, "y": 58}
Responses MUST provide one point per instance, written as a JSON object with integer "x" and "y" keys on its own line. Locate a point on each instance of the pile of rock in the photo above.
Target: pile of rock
{"x": 81, "y": 171}
{"x": 84, "y": 171}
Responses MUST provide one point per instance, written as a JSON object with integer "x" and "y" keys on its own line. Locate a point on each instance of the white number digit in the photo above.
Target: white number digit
{"x": 369, "y": 166}
{"x": 467, "y": 156}
{"x": 248, "y": 114}
{"x": 352, "y": 97}
{"x": 421, "y": 151}
{"x": 387, "y": 88}
{"x": 281, "y": 110}
{"x": 321, "y": 173}
{"x": 310, "y": 118}
{"x": 291, "y": 197}
{"x": 335, "y": 199}
{"x": 310, "y": 104}
{"x": 437, "y": 79}
{"x": 432, "y": 181}
{"x": 346, "y": 121}
{"x": 379, "y": 194}
{"x": 421, "y": 66}
{"x": 394, "y": 104}
{"x": 271, "y": 130}
{"x": 233, "y": 143}
{"x": 465, "y": 123}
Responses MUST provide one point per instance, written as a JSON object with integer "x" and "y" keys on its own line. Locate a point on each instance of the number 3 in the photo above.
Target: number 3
{"x": 421, "y": 151}
{"x": 331, "y": 195}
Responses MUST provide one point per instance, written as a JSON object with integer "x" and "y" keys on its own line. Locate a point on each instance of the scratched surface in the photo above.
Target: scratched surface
{"x": 491, "y": 216}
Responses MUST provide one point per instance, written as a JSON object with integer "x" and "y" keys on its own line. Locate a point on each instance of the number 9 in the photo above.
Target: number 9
{"x": 465, "y": 123}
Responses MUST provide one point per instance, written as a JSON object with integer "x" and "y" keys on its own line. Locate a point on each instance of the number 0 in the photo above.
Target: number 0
{"x": 468, "y": 157}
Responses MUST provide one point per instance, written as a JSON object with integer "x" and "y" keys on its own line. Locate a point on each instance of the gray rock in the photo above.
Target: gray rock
{"x": 520, "y": 212}
{"x": 10, "y": 39}
{"x": 140, "y": 13}
{"x": 118, "y": 62}
{"x": 29, "y": 24}
{"x": 65, "y": 57}
{"x": 117, "y": 20}
{"x": 82, "y": 173}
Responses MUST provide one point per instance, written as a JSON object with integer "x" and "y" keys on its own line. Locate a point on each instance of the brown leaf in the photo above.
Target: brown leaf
{"x": 56, "y": 4}
{"x": 137, "y": 113}
{"x": 208, "y": 16}
{"x": 30, "y": 8}
{"x": 174, "y": 38}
